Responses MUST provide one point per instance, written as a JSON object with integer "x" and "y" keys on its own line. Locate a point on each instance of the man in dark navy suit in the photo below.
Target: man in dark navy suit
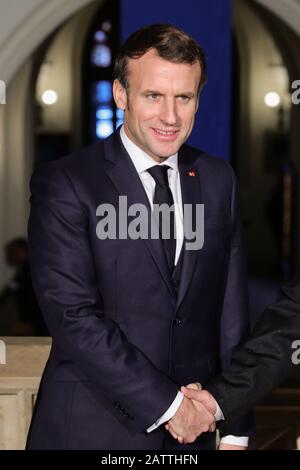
{"x": 135, "y": 317}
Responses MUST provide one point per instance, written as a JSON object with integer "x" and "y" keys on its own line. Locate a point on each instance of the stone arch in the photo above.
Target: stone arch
{"x": 287, "y": 10}
{"x": 39, "y": 20}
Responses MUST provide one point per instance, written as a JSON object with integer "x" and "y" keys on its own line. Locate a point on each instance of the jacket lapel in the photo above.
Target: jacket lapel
{"x": 126, "y": 180}
{"x": 191, "y": 194}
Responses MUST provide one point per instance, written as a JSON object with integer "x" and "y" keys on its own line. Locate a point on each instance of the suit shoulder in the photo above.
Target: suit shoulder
{"x": 78, "y": 161}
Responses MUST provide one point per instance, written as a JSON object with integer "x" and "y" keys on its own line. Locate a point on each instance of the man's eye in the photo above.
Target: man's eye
{"x": 152, "y": 96}
{"x": 184, "y": 98}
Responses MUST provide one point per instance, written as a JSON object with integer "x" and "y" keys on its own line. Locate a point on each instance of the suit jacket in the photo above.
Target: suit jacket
{"x": 124, "y": 336}
{"x": 263, "y": 361}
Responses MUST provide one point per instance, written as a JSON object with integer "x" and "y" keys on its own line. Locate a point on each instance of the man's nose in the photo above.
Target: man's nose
{"x": 169, "y": 113}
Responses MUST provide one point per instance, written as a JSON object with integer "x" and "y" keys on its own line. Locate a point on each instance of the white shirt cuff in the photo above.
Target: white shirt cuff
{"x": 171, "y": 411}
{"x": 235, "y": 440}
{"x": 219, "y": 413}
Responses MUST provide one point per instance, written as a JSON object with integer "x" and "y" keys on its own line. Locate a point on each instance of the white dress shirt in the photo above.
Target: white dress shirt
{"x": 142, "y": 162}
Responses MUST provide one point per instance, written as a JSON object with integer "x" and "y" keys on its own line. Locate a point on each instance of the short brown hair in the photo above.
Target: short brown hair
{"x": 170, "y": 42}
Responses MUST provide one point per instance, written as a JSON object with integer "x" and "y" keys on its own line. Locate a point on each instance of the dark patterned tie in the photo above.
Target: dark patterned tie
{"x": 163, "y": 195}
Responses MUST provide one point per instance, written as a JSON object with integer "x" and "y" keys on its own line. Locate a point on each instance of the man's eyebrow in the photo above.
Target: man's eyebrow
{"x": 189, "y": 94}
{"x": 153, "y": 92}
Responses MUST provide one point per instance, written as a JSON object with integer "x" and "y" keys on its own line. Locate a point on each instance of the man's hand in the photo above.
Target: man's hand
{"x": 196, "y": 393}
{"x": 191, "y": 420}
{"x": 203, "y": 396}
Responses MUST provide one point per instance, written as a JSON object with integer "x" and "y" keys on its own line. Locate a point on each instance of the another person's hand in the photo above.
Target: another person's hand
{"x": 195, "y": 392}
{"x": 191, "y": 420}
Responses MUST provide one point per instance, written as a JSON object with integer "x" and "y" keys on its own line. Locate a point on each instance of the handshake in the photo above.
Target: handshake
{"x": 194, "y": 416}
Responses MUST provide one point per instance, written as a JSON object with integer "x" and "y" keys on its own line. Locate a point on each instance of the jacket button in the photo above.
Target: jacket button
{"x": 177, "y": 321}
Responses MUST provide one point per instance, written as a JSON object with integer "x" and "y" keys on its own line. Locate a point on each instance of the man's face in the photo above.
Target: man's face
{"x": 162, "y": 102}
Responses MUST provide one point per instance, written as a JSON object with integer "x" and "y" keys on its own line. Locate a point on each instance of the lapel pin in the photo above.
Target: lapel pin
{"x": 192, "y": 173}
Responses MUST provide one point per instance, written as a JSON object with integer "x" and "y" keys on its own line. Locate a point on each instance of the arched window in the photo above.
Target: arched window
{"x": 101, "y": 117}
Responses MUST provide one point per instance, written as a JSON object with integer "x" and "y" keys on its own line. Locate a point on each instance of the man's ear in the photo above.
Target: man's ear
{"x": 120, "y": 95}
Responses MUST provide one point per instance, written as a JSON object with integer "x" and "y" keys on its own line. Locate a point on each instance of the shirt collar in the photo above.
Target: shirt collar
{"x": 141, "y": 160}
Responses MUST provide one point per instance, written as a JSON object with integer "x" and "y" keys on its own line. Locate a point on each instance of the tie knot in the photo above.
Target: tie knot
{"x": 160, "y": 174}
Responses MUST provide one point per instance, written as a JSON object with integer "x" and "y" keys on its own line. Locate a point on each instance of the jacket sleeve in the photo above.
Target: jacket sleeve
{"x": 264, "y": 360}
{"x": 234, "y": 313}
{"x": 65, "y": 282}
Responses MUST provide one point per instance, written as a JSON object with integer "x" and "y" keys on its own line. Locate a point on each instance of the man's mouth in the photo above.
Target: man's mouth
{"x": 161, "y": 132}
{"x": 165, "y": 136}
